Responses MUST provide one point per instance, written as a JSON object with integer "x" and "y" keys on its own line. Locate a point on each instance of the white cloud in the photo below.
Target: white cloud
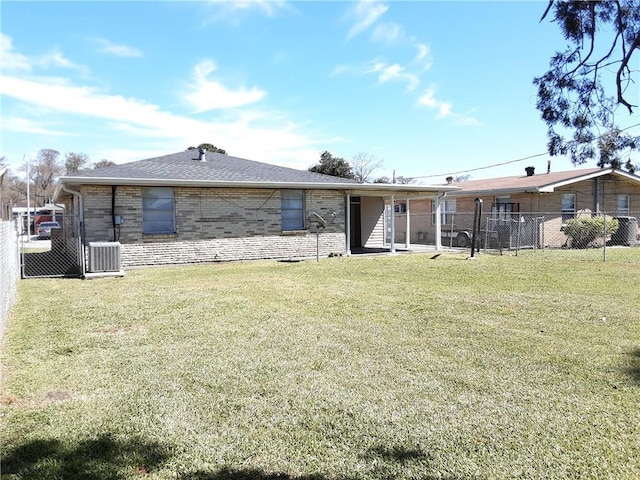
{"x": 269, "y": 7}
{"x": 228, "y": 11}
{"x": 428, "y": 99}
{"x": 57, "y": 59}
{"x": 134, "y": 122}
{"x": 25, "y": 125}
{"x": 12, "y": 60}
{"x": 208, "y": 95}
{"x": 110, "y": 48}
{"x": 384, "y": 72}
{"x": 423, "y": 57}
{"x": 365, "y": 14}
{"x": 445, "y": 109}
{"x": 389, "y": 33}
{"x": 396, "y": 72}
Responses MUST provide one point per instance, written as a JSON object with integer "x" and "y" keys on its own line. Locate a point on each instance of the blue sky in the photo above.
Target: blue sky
{"x": 428, "y": 88}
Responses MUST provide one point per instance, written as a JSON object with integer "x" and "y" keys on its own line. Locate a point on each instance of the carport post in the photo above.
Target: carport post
{"x": 407, "y": 232}
{"x": 438, "y": 210}
{"x": 393, "y": 224}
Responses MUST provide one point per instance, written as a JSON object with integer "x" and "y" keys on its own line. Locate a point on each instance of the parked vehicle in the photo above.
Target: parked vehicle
{"x": 44, "y": 229}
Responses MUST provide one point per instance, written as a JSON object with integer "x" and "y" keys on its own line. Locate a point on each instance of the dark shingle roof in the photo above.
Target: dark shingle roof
{"x": 217, "y": 168}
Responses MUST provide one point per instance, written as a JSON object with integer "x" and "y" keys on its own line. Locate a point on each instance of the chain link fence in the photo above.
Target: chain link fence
{"x": 601, "y": 237}
{"x": 9, "y": 269}
{"x": 598, "y": 237}
{"x": 55, "y": 250}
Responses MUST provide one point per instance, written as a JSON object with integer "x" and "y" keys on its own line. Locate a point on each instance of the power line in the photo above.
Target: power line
{"x": 510, "y": 161}
{"x": 485, "y": 167}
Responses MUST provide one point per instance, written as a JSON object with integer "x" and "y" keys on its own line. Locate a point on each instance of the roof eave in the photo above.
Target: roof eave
{"x": 552, "y": 186}
{"x": 153, "y": 182}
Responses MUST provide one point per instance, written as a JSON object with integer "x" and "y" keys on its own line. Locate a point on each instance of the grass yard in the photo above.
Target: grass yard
{"x": 383, "y": 367}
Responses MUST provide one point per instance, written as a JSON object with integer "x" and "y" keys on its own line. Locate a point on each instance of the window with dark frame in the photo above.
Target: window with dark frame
{"x": 623, "y": 204}
{"x": 158, "y": 211}
{"x": 292, "y": 209}
{"x": 568, "y": 206}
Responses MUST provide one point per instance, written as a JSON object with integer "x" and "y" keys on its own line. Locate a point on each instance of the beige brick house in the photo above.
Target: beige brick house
{"x": 195, "y": 206}
{"x": 550, "y": 197}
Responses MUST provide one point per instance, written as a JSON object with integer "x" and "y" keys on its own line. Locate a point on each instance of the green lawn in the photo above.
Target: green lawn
{"x": 389, "y": 367}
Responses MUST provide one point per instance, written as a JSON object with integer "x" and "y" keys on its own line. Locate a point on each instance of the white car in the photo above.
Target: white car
{"x": 44, "y": 229}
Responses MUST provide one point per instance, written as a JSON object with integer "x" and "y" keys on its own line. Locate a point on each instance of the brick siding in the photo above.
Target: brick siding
{"x": 213, "y": 224}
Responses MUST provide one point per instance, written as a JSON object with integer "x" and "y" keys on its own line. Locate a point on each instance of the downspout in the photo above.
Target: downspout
{"x": 348, "y": 225}
{"x": 597, "y": 194}
{"x": 80, "y": 204}
{"x": 113, "y": 210}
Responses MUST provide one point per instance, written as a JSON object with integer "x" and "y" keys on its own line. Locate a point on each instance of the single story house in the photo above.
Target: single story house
{"x": 551, "y": 197}
{"x": 199, "y": 206}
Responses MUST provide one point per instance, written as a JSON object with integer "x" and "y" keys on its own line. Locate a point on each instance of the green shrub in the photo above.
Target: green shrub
{"x": 583, "y": 231}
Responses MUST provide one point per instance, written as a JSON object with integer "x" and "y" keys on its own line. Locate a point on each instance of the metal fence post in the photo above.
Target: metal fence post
{"x": 604, "y": 237}
{"x": 476, "y": 224}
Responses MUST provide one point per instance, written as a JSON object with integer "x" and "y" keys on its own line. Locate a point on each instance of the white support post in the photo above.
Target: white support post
{"x": 438, "y": 222}
{"x": 407, "y": 232}
{"x": 393, "y": 224}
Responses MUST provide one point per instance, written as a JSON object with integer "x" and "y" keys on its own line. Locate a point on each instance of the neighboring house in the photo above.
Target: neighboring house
{"x": 201, "y": 207}
{"x": 552, "y": 198}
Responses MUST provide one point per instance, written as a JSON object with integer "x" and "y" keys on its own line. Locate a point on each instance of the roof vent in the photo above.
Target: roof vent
{"x": 449, "y": 180}
{"x": 202, "y": 156}
{"x": 530, "y": 171}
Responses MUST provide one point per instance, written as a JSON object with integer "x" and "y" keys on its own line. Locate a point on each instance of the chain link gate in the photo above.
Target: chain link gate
{"x": 55, "y": 253}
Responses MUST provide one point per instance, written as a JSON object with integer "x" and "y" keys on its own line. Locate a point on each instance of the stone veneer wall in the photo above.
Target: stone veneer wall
{"x": 214, "y": 224}
{"x": 230, "y": 249}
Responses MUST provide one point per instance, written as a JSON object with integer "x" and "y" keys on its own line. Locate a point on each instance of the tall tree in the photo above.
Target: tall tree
{"x": 75, "y": 162}
{"x": 334, "y": 166}
{"x": 210, "y": 147}
{"x": 363, "y": 165}
{"x": 44, "y": 173}
{"x": 104, "y": 163}
{"x": 591, "y": 84}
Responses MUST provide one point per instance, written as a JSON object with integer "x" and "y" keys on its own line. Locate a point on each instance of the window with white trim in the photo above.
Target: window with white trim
{"x": 158, "y": 211}
{"x": 292, "y": 209}
{"x": 447, "y": 211}
{"x": 568, "y": 206}
{"x": 623, "y": 204}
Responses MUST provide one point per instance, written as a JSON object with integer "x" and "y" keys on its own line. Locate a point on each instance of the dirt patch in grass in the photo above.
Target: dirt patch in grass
{"x": 119, "y": 330}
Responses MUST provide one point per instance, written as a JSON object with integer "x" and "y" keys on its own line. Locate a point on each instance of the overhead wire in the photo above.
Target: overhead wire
{"x": 506, "y": 163}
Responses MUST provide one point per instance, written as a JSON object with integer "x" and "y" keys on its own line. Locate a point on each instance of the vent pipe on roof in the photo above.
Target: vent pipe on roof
{"x": 202, "y": 156}
{"x": 530, "y": 171}
{"x": 449, "y": 180}
{"x": 548, "y": 166}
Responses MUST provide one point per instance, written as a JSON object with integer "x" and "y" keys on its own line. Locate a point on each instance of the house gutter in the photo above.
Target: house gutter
{"x": 364, "y": 187}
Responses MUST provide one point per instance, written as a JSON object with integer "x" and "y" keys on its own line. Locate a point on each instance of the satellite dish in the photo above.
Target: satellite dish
{"x": 321, "y": 221}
